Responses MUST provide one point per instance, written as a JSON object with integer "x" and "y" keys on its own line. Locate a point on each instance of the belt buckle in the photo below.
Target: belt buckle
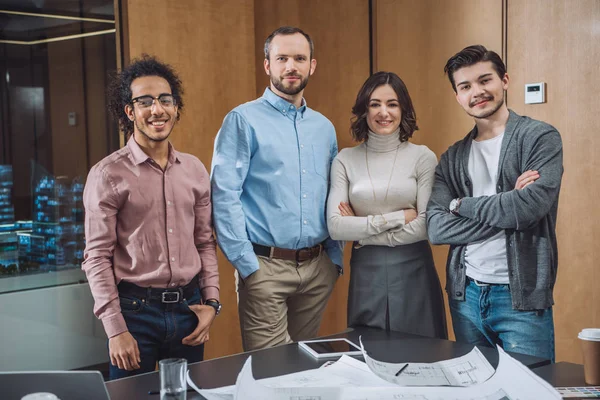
{"x": 298, "y": 256}
{"x": 315, "y": 251}
{"x": 166, "y": 297}
{"x": 311, "y": 253}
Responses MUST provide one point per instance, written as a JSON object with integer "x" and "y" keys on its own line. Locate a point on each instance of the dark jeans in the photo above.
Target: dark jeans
{"x": 158, "y": 329}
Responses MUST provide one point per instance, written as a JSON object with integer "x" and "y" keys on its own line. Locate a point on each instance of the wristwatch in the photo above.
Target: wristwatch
{"x": 214, "y": 304}
{"x": 455, "y": 206}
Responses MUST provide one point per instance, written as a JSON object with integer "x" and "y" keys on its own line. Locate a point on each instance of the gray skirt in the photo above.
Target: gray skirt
{"x": 396, "y": 288}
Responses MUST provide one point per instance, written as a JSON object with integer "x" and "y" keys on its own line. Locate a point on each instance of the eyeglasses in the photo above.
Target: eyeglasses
{"x": 165, "y": 100}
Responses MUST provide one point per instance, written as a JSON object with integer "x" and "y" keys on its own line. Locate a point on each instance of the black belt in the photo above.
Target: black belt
{"x": 480, "y": 283}
{"x": 163, "y": 295}
{"x": 307, "y": 253}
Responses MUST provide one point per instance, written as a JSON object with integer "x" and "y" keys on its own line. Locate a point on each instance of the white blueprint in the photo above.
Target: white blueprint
{"x": 470, "y": 369}
{"x": 511, "y": 381}
{"x": 347, "y": 371}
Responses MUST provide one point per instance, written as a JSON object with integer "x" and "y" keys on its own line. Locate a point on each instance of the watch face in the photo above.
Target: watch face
{"x": 453, "y": 205}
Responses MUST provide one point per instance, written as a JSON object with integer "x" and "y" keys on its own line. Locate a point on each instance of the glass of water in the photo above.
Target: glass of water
{"x": 172, "y": 378}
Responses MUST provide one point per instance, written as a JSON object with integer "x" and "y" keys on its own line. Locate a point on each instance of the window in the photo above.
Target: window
{"x": 54, "y": 65}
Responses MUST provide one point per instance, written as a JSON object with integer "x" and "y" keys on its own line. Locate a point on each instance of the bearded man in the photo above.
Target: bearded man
{"x": 270, "y": 177}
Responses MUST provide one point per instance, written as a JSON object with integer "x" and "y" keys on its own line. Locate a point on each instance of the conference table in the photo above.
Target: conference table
{"x": 381, "y": 345}
{"x": 562, "y": 374}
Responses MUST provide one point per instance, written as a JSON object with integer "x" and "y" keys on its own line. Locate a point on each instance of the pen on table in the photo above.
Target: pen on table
{"x": 158, "y": 391}
{"x": 402, "y": 369}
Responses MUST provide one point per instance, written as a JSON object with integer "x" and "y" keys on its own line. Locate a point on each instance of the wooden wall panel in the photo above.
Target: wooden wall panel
{"x": 562, "y": 49}
{"x": 414, "y": 39}
{"x": 96, "y": 62}
{"x": 340, "y": 32}
{"x": 211, "y": 44}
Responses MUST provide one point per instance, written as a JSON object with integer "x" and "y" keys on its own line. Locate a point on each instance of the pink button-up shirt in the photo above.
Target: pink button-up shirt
{"x": 147, "y": 226}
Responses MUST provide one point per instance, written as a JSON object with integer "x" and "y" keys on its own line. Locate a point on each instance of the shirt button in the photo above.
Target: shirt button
{"x": 499, "y": 188}
{"x": 172, "y": 284}
{"x": 305, "y": 222}
{"x": 304, "y": 195}
{"x": 303, "y": 171}
{"x": 169, "y": 202}
{"x": 172, "y": 258}
{"x": 301, "y": 146}
{"x": 458, "y": 294}
{"x": 170, "y": 230}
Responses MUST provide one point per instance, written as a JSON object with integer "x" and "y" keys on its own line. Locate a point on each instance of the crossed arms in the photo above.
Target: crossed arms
{"x": 535, "y": 192}
{"x": 390, "y": 229}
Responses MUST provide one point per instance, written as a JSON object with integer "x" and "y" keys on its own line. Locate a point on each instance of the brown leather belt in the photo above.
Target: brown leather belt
{"x": 305, "y": 254}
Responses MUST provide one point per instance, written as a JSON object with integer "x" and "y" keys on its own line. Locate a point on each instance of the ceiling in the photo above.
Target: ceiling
{"x": 30, "y": 28}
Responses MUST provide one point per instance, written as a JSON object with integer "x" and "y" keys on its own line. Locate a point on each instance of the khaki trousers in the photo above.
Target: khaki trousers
{"x": 284, "y": 301}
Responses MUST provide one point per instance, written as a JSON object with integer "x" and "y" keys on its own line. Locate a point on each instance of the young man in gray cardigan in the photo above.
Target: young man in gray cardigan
{"x": 495, "y": 201}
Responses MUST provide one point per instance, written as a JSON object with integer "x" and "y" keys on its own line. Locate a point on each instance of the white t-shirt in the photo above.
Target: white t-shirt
{"x": 486, "y": 260}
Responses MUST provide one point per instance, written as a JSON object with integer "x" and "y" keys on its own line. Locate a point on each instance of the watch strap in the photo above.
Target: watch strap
{"x": 214, "y": 304}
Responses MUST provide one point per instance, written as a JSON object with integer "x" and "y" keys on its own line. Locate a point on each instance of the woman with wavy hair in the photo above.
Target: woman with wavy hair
{"x": 378, "y": 196}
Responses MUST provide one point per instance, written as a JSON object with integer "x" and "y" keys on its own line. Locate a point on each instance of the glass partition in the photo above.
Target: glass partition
{"x": 55, "y": 59}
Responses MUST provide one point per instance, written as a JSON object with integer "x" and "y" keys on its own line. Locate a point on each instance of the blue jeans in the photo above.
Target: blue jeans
{"x": 158, "y": 329}
{"x": 486, "y": 317}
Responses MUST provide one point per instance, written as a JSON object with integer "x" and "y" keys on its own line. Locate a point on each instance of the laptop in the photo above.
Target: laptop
{"x": 66, "y": 385}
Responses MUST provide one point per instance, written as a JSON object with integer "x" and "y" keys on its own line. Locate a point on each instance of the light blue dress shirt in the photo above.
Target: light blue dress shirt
{"x": 270, "y": 179}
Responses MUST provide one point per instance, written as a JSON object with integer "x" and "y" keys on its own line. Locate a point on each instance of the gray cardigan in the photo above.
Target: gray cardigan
{"x": 528, "y": 216}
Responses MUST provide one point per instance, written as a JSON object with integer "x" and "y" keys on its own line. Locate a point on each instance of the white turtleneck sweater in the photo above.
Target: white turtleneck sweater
{"x": 410, "y": 187}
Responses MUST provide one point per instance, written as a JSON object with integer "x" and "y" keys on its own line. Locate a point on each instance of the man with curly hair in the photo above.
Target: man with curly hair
{"x": 150, "y": 254}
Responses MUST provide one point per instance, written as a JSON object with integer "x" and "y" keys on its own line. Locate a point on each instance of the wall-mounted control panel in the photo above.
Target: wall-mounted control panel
{"x": 72, "y": 118}
{"x": 535, "y": 93}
